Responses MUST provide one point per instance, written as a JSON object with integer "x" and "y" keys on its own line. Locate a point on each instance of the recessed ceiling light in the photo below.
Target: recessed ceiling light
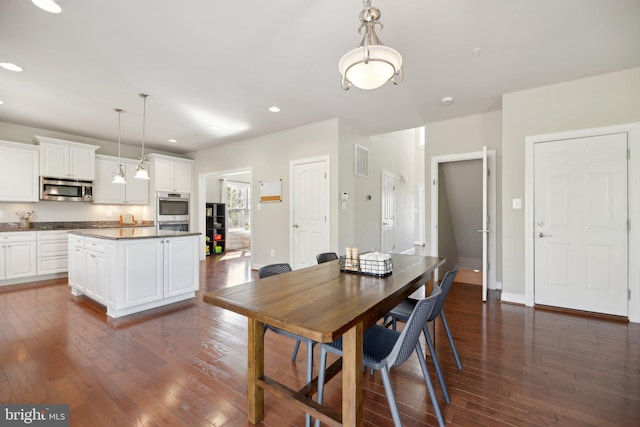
{"x": 48, "y": 5}
{"x": 214, "y": 127}
{"x": 1, "y": 102}
{"x": 274, "y": 109}
{"x": 173, "y": 140}
{"x": 11, "y": 66}
{"x": 447, "y": 100}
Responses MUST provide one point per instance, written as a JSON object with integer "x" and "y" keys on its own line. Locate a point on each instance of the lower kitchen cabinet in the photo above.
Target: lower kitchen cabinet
{"x": 17, "y": 255}
{"x": 52, "y": 253}
{"x": 134, "y": 274}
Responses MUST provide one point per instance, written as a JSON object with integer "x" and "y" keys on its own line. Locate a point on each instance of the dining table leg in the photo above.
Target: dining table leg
{"x": 352, "y": 400}
{"x": 255, "y": 371}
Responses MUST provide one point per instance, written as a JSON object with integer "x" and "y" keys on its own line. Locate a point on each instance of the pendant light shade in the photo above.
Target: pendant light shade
{"x": 371, "y": 64}
{"x": 141, "y": 170}
{"x": 118, "y": 174}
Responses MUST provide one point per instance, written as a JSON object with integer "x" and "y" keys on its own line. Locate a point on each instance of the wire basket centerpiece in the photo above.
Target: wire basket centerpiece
{"x": 369, "y": 263}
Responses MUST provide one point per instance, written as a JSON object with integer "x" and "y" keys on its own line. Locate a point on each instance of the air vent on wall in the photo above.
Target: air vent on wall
{"x": 362, "y": 161}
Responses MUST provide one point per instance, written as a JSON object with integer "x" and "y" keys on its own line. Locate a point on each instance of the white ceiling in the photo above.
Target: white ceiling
{"x": 206, "y": 62}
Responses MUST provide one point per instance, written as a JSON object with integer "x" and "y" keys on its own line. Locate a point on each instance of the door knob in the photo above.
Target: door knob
{"x": 295, "y": 226}
{"x": 541, "y": 235}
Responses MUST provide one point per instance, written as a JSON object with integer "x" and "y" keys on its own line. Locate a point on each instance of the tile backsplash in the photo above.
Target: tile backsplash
{"x": 47, "y": 211}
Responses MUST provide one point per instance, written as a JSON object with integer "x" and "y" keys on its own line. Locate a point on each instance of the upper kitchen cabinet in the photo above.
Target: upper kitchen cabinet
{"x": 134, "y": 192}
{"x": 18, "y": 172}
{"x": 171, "y": 173}
{"x": 66, "y": 159}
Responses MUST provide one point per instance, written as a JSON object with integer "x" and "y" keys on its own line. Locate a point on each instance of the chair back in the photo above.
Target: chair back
{"x": 326, "y": 256}
{"x": 273, "y": 269}
{"x": 406, "y": 343}
{"x": 445, "y": 285}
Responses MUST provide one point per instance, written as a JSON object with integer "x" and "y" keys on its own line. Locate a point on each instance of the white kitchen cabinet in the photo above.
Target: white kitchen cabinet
{"x": 95, "y": 285}
{"x": 168, "y": 266}
{"x": 88, "y": 267}
{"x": 19, "y": 172}
{"x": 180, "y": 273}
{"x": 131, "y": 274}
{"x": 19, "y": 254}
{"x": 141, "y": 279}
{"x": 66, "y": 159}
{"x": 77, "y": 264}
{"x": 137, "y": 191}
{"x": 52, "y": 252}
{"x": 134, "y": 192}
{"x": 171, "y": 173}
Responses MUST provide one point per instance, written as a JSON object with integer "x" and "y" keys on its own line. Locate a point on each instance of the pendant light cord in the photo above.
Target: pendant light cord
{"x": 144, "y": 96}
{"x": 119, "y": 113}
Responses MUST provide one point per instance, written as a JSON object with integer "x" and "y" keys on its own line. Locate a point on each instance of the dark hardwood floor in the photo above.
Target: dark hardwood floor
{"x": 185, "y": 365}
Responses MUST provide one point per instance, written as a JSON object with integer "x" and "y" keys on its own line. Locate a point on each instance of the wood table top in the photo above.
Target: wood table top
{"x": 321, "y": 302}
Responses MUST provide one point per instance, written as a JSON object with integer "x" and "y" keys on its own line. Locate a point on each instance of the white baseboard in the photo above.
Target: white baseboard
{"x": 513, "y": 298}
{"x": 496, "y": 287}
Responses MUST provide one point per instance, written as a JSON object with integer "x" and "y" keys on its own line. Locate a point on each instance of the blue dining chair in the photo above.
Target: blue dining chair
{"x": 384, "y": 348}
{"x": 403, "y": 310}
{"x": 272, "y": 270}
{"x": 326, "y": 257}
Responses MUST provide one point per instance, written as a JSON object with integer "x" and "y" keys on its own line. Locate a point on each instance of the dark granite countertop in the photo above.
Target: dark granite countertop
{"x": 71, "y": 225}
{"x": 132, "y": 233}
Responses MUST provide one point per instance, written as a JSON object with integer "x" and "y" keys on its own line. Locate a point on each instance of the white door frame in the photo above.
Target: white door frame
{"x": 292, "y": 164}
{"x": 201, "y": 207}
{"x": 491, "y": 196}
{"x": 388, "y": 174}
{"x": 633, "y": 131}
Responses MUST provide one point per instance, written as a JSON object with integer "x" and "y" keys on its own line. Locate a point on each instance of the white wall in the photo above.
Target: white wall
{"x": 395, "y": 152}
{"x": 602, "y": 100}
{"x": 347, "y": 182}
{"x": 269, "y": 157}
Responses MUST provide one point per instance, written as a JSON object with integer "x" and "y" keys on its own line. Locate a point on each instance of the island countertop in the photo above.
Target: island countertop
{"x": 132, "y": 233}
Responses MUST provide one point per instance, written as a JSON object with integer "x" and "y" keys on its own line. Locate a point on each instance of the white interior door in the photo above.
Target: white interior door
{"x": 388, "y": 211}
{"x": 580, "y": 224}
{"x": 310, "y": 216}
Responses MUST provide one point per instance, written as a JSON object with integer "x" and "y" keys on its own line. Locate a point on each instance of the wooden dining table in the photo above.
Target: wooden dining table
{"x": 321, "y": 303}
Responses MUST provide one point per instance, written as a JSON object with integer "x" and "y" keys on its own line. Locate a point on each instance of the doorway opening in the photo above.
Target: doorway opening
{"x": 224, "y": 213}
{"x": 484, "y": 222}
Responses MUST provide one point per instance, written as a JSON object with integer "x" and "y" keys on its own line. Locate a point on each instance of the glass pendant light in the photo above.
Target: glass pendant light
{"x": 118, "y": 174}
{"x": 141, "y": 170}
{"x": 371, "y": 64}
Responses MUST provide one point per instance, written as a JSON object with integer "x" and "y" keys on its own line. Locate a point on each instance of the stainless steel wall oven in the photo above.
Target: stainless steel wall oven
{"x": 172, "y": 211}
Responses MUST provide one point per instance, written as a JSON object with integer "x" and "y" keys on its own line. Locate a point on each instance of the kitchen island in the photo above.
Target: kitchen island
{"x": 129, "y": 270}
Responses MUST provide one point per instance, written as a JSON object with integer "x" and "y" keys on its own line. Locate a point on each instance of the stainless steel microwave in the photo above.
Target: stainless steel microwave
{"x": 66, "y": 190}
{"x": 172, "y": 207}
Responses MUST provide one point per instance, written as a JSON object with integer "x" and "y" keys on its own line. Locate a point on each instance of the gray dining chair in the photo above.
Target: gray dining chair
{"x": 385, "y": 348}
{"x": 272, "y": 270}
{"x": 403, "y": 310}
{"x": 326, "y": 257}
